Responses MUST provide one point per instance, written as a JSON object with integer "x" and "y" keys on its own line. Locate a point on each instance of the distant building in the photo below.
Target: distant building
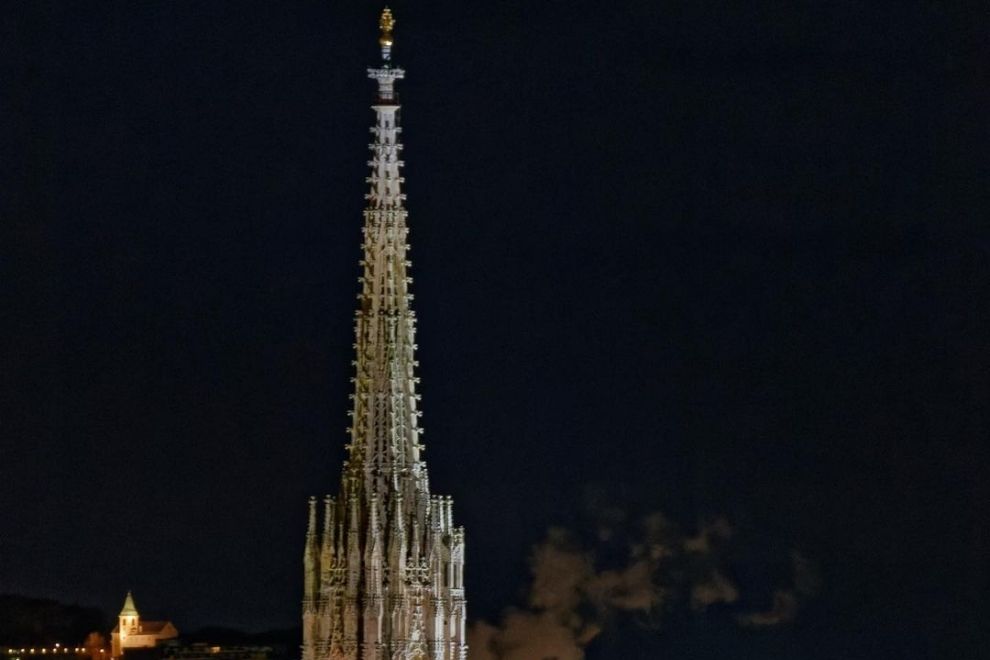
{"x": 204, "y": 651}
{"x": 133, "y": 633}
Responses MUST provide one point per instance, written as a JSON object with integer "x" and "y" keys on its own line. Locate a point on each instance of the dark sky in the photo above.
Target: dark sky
{"x": 701, "y": 257}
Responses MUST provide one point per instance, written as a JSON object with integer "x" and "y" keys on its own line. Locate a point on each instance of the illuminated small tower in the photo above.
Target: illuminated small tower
{"x": 128, "y": 618}
{"x": 385, "y": 579}
{"x": 133, "y": 633}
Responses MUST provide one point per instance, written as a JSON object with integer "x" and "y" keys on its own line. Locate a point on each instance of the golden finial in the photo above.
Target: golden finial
{"x": 386, "y": 23}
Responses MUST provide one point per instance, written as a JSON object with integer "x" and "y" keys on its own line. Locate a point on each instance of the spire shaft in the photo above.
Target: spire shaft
{"x": 385, "y": 428}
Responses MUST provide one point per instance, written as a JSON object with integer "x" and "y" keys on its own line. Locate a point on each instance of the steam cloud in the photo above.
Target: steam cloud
{"x": 578, "y": 588}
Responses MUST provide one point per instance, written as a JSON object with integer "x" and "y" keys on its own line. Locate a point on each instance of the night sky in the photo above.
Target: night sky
{"x": 704, "y": 258}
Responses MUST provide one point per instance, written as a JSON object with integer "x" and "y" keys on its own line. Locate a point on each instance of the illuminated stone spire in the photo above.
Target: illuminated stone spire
{"x": 384, "y": 431}
{"x": 389, "y": 574}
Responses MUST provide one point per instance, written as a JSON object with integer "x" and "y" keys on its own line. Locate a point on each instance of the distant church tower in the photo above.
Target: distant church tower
{"x": 134, "y": 633}
{"x": 128, "y": 618}
{"x": 384, "y": 577}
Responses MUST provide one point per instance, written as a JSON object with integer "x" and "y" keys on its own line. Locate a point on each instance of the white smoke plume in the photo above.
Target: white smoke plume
{"x": 571, "y": 599}
{"x": 578, "y": 589}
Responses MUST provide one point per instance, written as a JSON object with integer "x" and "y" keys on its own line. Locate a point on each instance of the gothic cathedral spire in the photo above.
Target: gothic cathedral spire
{"x": 385, "y": 579}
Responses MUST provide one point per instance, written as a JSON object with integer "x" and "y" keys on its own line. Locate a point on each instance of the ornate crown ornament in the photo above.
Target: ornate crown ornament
{"x": 385, "y": 24}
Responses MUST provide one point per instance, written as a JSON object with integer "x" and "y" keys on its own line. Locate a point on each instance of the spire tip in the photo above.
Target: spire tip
{"x": 386, "y": 23}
